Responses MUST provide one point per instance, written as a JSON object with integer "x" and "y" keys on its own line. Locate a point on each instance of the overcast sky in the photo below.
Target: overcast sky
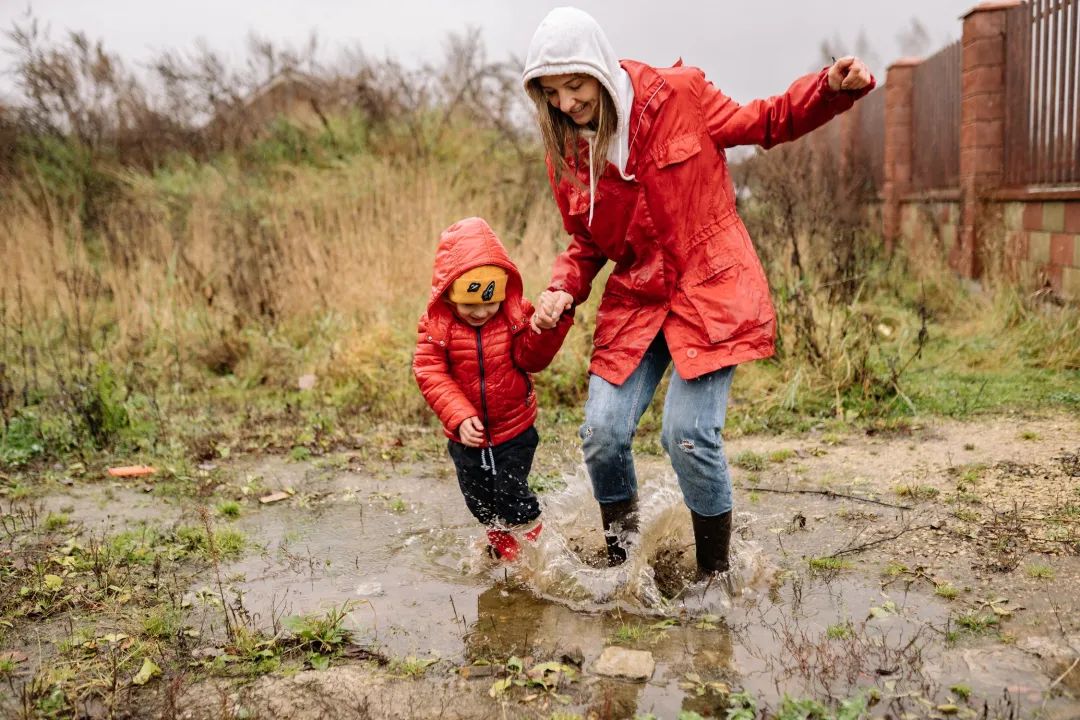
{"x": 748, "y": 48}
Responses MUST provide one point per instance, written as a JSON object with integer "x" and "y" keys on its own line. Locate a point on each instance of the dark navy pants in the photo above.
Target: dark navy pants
{"x": 502, "y": 497}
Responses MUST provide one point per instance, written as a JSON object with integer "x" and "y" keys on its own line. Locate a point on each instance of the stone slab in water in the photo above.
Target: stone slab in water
{"x": 620, "y": 662}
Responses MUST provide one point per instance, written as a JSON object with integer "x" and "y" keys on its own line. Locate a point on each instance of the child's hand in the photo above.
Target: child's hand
{"x": 471, "y": 431}
{"x": 549, "y": 308}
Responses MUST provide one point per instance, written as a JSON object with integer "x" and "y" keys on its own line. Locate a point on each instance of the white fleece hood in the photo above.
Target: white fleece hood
{"x": 569, "y": 41}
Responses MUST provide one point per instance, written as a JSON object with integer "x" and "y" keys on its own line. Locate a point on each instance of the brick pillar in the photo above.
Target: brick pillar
{"x": 982, "y": 124}
{"x": 898, "y": 141}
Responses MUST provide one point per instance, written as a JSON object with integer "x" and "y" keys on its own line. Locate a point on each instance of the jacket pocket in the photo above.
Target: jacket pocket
{"x": 528, "y": 387}
{"x": 730, "y": 298}
{"x": 677, "y": 150}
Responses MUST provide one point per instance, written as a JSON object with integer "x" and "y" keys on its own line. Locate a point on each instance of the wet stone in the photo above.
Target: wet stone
{"x": 572, "y": 655}
{"x": 471, "y": 672}
{"x": 630, "y": 664}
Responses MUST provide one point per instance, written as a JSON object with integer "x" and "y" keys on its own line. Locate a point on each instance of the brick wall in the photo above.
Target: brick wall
{"x": 1036, "y": 229}
{"x": 1042, "y": 240}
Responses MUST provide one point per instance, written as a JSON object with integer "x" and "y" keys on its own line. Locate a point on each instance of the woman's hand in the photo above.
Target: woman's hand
{"x": 849, "y": 73}
{"x": 471, "y": 431}
{"x": 549, "y": 308}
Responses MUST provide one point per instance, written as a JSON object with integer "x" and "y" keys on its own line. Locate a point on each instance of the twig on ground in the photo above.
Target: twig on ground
{"x": 828, "y": 493}
{"x": 872, "y": 543}
{"x": 1064, "y": 674}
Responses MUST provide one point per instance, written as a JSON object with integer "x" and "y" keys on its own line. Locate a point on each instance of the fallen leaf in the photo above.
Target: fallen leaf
{"x": 273, "y": 497}
{"x": 132, "y": 471}
{"x": 13, "y": 656}
{"x": 148, "y": 670}
{"x": 54, "y": 582}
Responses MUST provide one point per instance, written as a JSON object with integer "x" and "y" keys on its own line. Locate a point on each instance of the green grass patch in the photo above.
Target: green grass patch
{"x": 976, "y": 623}
{"x": 228, "y": 509}
{"x": 894, "y": 569}
{"x": 918, "y": 493}
{"x": 840, "y": 631}
{"x": 947, "y": 591}
{"x": 1038, "y": 571}
{"x": 57, "y": 521}
{"x": 162, "y": 622}
{"x": 750, "y": 460}
{"x": 828, "y": 564}
{"x": 780, "y": 456}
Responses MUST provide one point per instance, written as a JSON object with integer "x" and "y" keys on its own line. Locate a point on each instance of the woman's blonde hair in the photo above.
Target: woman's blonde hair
{"x": 561, "y": 134}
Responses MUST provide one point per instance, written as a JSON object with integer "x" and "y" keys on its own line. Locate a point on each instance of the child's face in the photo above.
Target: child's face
{"x": 477, "y": 314}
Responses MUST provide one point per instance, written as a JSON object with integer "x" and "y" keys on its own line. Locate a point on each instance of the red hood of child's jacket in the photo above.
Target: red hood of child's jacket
{"x": 467, "y": 244}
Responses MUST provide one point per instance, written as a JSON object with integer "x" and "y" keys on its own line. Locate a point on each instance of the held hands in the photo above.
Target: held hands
{"x": 849, "y": 73}
{"x": 471, "y": 431}
{"x": 549, "y": 308}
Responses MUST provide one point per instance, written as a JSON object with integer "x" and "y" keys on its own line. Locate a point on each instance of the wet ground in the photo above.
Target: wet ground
{"x": 934, "y": 572}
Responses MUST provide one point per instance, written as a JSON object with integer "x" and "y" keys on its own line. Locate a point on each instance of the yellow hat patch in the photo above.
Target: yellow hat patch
{"x": 484, "y": 284}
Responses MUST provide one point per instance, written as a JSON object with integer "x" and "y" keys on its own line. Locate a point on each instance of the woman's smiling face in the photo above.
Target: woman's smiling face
{"x": 577, "y": 95}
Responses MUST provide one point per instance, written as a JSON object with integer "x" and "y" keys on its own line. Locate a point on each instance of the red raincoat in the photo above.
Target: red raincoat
{"x": 684, "y": 263}
{"x": 465, "y": 371}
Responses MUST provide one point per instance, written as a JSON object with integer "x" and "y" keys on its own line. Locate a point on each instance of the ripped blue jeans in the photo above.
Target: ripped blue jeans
{"x": 694, "y": 414}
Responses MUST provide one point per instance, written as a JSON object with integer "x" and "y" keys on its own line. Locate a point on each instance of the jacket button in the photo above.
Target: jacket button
{"x": 430, "y": 338}
{"x": 691, "y": 353}
{"x": 442, "y": 342}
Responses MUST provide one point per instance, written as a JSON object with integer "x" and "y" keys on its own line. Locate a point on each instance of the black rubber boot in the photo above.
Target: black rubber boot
{"x": 712, "y": 538}
{"x": 619, "y": 518}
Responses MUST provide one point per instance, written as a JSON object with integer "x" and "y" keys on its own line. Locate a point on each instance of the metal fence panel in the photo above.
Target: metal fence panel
{"x": 936, "y": 119}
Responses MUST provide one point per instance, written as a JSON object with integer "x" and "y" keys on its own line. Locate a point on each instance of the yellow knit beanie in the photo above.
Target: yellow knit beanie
{"x": 484, "y": 284}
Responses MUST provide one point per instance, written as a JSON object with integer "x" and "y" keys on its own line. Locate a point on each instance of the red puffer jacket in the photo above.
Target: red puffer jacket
{"x": 684, "y": 263}
{"x": 465, "y": 371}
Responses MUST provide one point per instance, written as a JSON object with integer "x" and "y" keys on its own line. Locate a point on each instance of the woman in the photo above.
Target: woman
{"x": 636, "y": 161}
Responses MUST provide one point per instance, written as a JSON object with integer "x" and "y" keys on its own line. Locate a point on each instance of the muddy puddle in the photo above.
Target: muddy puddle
{"x": 401, "y": 550}
{"x": 935, "y": 571}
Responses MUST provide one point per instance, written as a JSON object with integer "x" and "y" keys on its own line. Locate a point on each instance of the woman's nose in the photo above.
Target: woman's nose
{"x": 566, "y": 102}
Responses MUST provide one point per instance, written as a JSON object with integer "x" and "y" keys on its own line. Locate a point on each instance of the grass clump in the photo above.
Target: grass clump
{"x": 947, "y": 591}
{"x": 228, "y": 509}
{"x": 917, "y": 492}
{"x": 1039, "y": 571}
{"x": 750, "y": 460}
{"x": 828, "y": 564}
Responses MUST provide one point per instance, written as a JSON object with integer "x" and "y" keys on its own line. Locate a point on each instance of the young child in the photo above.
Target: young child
{"x": 475, "y": 350}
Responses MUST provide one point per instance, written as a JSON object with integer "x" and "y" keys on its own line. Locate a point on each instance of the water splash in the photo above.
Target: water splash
{"x": 659, "y": 575}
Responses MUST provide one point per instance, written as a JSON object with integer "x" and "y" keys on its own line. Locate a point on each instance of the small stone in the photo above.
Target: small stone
{"x": 207, "y": 652}
{"x": 306, "y": 382}
{"x": 630, "y": 664}
{"x": 369, "y": 589}
{"x": 471, "y": 672}
{"x": 572, "y": 655}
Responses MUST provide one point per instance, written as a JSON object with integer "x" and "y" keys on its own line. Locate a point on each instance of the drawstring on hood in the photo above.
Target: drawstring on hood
{"x": 570, "y": 41}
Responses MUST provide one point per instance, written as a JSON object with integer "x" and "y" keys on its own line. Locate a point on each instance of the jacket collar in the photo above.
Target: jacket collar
{"x": 651, "y": 91}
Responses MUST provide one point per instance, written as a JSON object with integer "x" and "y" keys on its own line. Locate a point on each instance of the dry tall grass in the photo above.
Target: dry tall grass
{"x": 131, "y": 290}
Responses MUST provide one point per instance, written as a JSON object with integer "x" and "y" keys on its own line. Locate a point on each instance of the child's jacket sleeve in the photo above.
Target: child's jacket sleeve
{"x": 533, "y": 352}
{"x": 442, "y": 393}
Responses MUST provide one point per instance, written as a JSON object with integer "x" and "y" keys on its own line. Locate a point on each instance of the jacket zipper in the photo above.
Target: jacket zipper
{"x": 483, "y": 385}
